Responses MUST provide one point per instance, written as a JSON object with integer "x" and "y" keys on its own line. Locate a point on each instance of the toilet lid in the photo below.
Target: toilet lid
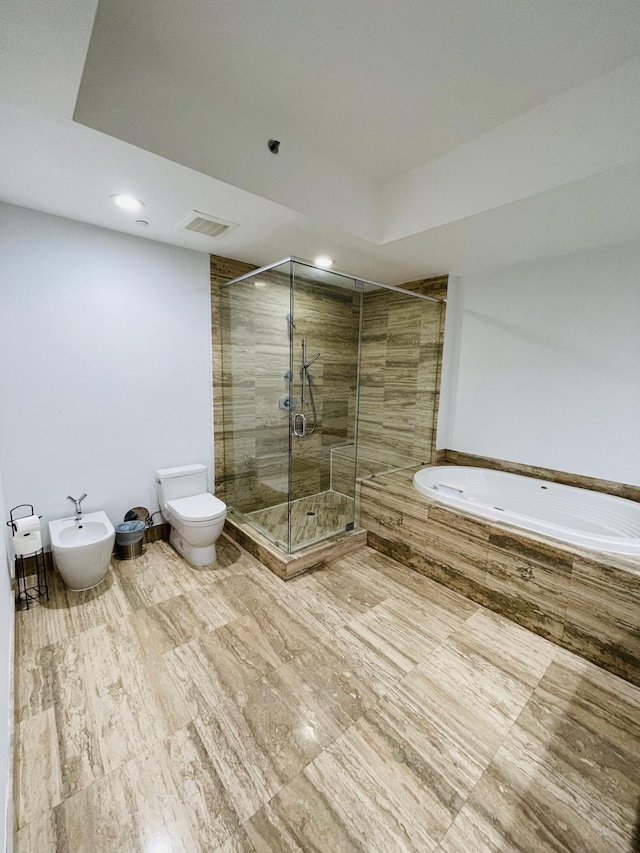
{"x": 204, "y": 507}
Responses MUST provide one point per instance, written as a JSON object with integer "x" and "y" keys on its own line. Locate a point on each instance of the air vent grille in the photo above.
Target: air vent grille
{"x": 208, "y": 226}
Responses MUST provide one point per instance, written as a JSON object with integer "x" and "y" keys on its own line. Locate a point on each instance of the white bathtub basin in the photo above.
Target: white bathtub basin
{"x": 82, "y": 549}
{"x": 577, "y": 516}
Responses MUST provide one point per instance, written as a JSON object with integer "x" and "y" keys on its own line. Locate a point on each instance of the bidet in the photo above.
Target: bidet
{"x": 82, "y": 549}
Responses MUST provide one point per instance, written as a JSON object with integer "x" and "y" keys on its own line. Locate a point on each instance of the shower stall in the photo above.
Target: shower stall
{"x": 302, "y": 348}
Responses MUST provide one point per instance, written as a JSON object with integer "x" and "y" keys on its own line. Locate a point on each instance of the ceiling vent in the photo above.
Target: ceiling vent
{"x": 208, "y": 226}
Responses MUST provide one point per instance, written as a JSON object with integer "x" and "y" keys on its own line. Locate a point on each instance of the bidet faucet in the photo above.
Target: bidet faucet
{"x": 78, "y": 505}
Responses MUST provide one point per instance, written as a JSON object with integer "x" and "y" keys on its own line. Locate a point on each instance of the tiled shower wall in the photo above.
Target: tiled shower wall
{"x": 222, "y": 270}
{"x": 251, "y": 339}
{"x": 402, "y": 341}
{"x": 400, "y": 379}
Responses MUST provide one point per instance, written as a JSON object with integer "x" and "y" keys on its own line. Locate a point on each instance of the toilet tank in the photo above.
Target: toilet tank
{"x": 181, "y": 482}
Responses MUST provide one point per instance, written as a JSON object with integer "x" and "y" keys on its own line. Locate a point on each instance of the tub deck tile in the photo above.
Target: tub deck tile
{"x": 451, "y": 548}
{"x": 528, "y": 582}
{"x": 603, "y": 617}
{"x": 443, "y": 557}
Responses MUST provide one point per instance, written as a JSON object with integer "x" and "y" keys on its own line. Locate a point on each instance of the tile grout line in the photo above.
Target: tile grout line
{"x": 501, "y": 743}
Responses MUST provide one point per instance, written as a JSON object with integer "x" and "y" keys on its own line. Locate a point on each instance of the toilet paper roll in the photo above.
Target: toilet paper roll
{"x": 27, "y": 524}
{"x": 27, "y": 543}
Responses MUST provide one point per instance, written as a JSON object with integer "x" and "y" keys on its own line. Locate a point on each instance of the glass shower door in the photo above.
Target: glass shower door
{"x": 324, "y": 351}
{"x": 256, "y": 364}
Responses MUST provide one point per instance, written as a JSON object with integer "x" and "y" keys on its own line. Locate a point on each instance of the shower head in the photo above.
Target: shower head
{"x": 290, "y": 321}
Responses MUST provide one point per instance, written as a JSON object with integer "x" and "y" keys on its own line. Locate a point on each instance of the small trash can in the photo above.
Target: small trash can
{"x": 129, "y": 536}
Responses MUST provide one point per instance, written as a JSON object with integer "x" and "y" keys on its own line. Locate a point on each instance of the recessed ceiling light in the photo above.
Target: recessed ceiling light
{"x": 127, "y": 202}
{"x": 260, "y": 283}
{"x": 323, "y": 261}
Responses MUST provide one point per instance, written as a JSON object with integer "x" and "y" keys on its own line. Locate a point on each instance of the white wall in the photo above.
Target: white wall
{"x": 105, "y": 363}
{"x": 543, "y": 364}
{"x": 6, "y": 691}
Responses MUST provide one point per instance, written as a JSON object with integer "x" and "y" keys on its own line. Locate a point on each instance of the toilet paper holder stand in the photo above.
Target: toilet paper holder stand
{"x": 34, "y": 560}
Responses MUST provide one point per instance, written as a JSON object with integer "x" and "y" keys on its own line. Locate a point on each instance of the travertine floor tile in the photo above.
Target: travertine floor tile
{"x": 251, "y": 589}
{"x": 355, "y": 594}
{"x": 78, "y": 737}
{"x": 159, "y": 574}
{"x": 215, "y": 606}
{"x": 45, "y": 834}
{"x": 66, "y": 614}
{"x": 362, "y": 707}
{"x": 290, "y": 629}
{"x": 113, "y": 698}
{"x": 568, "y": 774}
{"x": 221, "y": 663}
{"x": 265, "y": 737}
{"x": 238, "y": 843}
{"x": 333, "y": 597}
{"x": 415, "y": 628}
{"x": 383, "y": 766}
{"x": 205, "y": 800}
{"x": 135, "y": 808}
{"x": 349, "y": 673}
{"x": 118, "y": 710}
{"x": 462, "y": 705}
{"x": 320, "y": 604}
{"x": 302, "y": 818}
{"x": 37, "y": 783}
{"x": 511, "y": 648}
{"x": 166, "y": 709}
{"x": 178, "y": 620}
{"x": 32, "y": 687}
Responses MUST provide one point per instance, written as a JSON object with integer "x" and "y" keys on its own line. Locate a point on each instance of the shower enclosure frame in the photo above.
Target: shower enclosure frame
{"x": 352, "y": 283}
{"x": 355, "y": 278}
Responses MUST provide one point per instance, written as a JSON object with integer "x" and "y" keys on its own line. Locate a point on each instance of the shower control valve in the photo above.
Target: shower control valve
{"x": 288, "y": 403}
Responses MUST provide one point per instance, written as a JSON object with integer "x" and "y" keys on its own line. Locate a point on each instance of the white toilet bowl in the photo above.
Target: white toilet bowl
{"x": 195, "y": 515}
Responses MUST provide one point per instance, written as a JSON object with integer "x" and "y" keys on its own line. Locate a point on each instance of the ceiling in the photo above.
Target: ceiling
{"x": 417, "y": 137}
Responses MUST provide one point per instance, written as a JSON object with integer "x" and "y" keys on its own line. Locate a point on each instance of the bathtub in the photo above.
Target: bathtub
{"x": 577, "y": 516}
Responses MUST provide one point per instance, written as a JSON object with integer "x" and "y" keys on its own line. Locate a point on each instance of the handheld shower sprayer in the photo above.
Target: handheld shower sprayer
{"x": 307, "y": 389}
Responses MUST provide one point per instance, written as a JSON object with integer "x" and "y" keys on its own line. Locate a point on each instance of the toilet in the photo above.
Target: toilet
{"x": 195, "y": 515}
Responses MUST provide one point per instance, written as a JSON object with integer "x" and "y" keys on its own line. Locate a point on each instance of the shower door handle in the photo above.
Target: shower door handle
{"x": 299, "y": 425}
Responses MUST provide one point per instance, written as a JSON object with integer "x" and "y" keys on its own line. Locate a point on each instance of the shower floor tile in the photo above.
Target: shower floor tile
{"x": 360, "y": 708}
{"x": 313, "y": 518}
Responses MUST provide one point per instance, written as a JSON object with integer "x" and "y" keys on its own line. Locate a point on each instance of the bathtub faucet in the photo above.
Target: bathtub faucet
{"x": 78, "y": 505}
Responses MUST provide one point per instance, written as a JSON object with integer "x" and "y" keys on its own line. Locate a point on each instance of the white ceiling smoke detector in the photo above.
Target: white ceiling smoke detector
{"x": 205, "y": 224}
